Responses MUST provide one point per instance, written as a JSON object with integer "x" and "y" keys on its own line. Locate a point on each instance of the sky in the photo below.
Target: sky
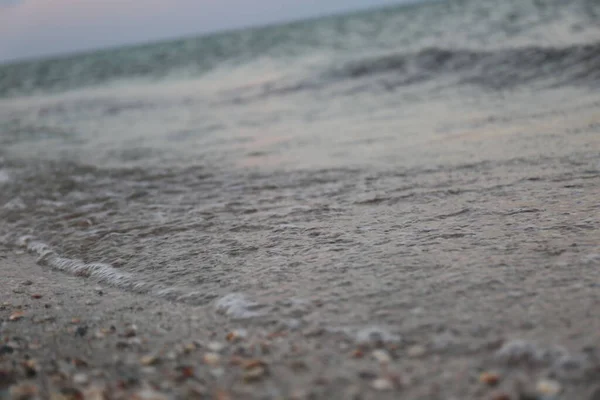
{"x": 34, "y": 28}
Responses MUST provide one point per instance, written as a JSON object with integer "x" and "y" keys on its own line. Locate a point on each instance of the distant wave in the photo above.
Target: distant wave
{"x": 578, "y": 64}
{"x": 496, "y": 70}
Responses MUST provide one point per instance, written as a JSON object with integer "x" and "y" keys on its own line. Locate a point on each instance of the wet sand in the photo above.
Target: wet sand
{"x": 497, "y": 302}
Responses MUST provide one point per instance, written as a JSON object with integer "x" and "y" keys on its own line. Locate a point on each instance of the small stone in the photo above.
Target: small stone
{"x": 79, "y": 363}
{"x": 358, "y": 353}
{"x": 211, "y": 358}
{"x": 149, "y": 360}
{"x": 24, "y": 391}
{"x": 36, "y": 296}
{"x": 27, "y": 283}
{"x": 130, "y": 332}
{"x": 518, "y": 350}
{"x": 500, "y": 396}
{"x": 382, "y": 356}
{"x": 217, "y": 372}
{"x": 31, "y": 367}
{"x": 382, "y": 384}
{"x": 222, "y": 395}
{"x": 14, "y": 344}
{"x": 255, "y": 373}
{"x": 17, "y": 315}
{"x": 148, "y": 370}
{"x": 595, "y": 394}
{"x": 189, "y": 347}
{"x": 94, "y": 393}
{"x": 194, "y": 390}
{"x": 548, "y": 387}
{"x": 367, "y": 375}
{"x": 34, "y": 346}
{"x": 215, "y": 347}
{"x": 416, "y": 351}
{"x": 236, "y": 335}
{"x": 6, "y": 349}
{"x": 375, "y": 335}
{"x": 81, "y": 330}
{"x": 80, "y": 379}
{"x": 149, "y": 394}
{"x": 185, "y": 372}
{"x": 489, "y": 378}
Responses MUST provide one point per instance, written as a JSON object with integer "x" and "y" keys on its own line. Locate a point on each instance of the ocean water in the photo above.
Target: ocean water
{"x": 334, "y": 161}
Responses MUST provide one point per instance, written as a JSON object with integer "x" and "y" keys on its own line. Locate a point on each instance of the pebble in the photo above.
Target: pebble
{"x": 548, "y": 387}
{"x": 358, "y": 353}
{"x": 215, "y": 347}
{"x": 382, "y": 356}
{"x": 17, "y": 315}
{"x": 518, "y": 350}
{"x": 374, "y": 335}
{"x": 489, "y": 378}
{"x": 500, "y": 396}
{"x": 236, "y": 335}
{"x": 382, "y": 384}
{"x": 31, "y": 367}
{"x": 94, "y": 393}
{"x": 416, "y": 351}
{"x": 130, "y": 332}
{"x": 211, "y": 358}
{"x": 149, "y": 360}
{"x": 149, "y": 394}
{"x": 24, "y": 391}
{"x": 99, "y": 335}
{"x": 81, "y": 330}
{"x": 80, "y": 379}
{"x": 255, "y": 373}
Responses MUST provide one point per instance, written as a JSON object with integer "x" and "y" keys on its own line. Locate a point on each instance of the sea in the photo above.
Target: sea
{"x": 332, "y": 161}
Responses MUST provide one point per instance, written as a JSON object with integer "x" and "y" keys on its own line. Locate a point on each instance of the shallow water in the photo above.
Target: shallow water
{"x": 322, "y": 168}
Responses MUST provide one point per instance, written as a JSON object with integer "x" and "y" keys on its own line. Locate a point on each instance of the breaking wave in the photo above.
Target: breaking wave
{"x": 578, "y": 65}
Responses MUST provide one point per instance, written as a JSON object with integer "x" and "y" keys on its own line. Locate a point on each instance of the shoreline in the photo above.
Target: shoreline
{"x": 66, "y": 337}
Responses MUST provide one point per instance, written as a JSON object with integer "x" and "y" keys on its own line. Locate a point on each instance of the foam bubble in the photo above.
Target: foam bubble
{"x": 237, "y": 306}
{"x": 105, "y": 273}
{"x": 376, "y": 334}
{"x": 15, "y": 204}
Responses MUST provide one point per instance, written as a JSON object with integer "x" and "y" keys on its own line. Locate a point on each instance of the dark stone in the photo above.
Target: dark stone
{"x": 81, "y": 330}
{"x": 6, "y": 349}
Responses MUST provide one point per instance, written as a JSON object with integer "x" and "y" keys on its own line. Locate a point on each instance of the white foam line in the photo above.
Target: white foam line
{"x": 104, "y": 273}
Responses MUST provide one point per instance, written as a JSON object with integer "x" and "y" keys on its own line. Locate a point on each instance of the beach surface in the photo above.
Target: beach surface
{"x": 396, "y": 203}
{"x": 499, "y": 301}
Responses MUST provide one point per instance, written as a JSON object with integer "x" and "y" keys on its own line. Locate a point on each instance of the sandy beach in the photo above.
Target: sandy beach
{"x": 394, "y": 203}
{"x": 67, "y": 338}
{"x": 510, "y": 315}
